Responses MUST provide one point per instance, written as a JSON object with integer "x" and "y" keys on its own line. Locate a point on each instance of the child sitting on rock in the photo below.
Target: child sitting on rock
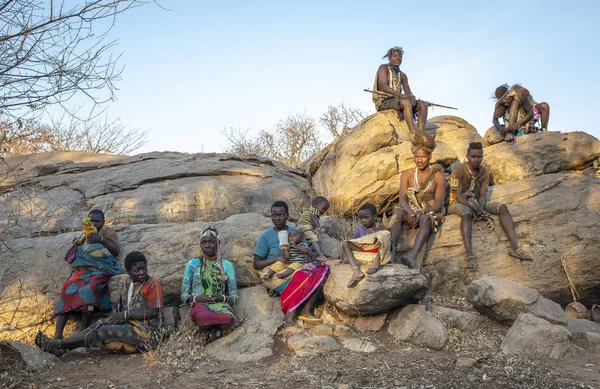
{"x": 370, "y": 243}
{"x": 310, "y": 221}
{"x": 295, "y": 256}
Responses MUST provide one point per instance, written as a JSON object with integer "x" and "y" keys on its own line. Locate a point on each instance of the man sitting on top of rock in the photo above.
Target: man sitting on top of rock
{"x": 519, "y": 111}
{"x": 391, "y": 80}
{"x": 468, "y": 199}
{"x": 422, "y": 192}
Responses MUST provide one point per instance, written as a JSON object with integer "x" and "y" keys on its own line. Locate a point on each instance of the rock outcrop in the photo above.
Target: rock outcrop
{"x": 143, "y": 189}
{"x": 504, "y": 300}
{"x": 365, "y": 164}
{"x": 534, "y": 337}
{"x": 22, "y": 356}
{"x": 559, "y": 223}
{"x": 390, "y": 287}
{"x": 455, "y": 132}
{"x": 540, "y": 153}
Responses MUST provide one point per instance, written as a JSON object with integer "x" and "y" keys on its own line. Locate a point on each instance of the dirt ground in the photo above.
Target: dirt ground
{"x": 179, "y": 364}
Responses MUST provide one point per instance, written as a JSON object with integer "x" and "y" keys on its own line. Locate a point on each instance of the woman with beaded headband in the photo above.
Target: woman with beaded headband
{"x": 209, "y": 286}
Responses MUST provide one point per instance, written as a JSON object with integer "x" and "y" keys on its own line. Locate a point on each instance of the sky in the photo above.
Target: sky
{"x": 203, "y": 66}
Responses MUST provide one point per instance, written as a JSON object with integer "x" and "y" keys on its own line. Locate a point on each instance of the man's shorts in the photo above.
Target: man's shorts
{"x": 461, "y": 209}
{"x": 394, "y": 103}
{"x": 309, "y": 234}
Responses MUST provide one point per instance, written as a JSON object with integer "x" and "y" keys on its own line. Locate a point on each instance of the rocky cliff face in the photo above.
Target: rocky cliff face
{"x": 159, "y": 202}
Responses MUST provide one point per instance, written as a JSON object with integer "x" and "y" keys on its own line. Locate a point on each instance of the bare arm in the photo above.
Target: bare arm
{"x": 440, "y": 191}
{"x": 528, "y": 110}
{"x": 316, "y": 222}
{"x": 482, "y": 201}
{"x": 260, "y": 263}
{"x": 384, "y": 82}
{"x": 461, "y": 198}
{"x": 404, "y": 178}
{"x": 499, "y": 112}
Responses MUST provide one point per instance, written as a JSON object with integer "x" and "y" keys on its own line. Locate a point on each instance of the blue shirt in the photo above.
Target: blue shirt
{"x": 267, "y": 246}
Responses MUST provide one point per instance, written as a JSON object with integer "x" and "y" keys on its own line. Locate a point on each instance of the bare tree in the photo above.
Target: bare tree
{"x": 95, "y": 135}
{"x": 297, "y": 138}
{"x": 340, "y": 119}
{"x": 293, "y": 140}
{"x": 54, "y": 51}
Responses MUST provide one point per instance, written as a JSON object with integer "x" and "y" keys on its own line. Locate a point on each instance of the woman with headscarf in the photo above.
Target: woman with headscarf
{"x": 209, "y": 285}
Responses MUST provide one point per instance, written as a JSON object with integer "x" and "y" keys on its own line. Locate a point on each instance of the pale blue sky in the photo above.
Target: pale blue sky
{"x": 203, "y": 66}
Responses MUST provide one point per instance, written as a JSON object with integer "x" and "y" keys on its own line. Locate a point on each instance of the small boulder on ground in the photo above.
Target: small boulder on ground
{"x": 390, "y": 287}
{"x": 576, "y": 326}
{"x": 503, "y": 300}
{"x": 310, "y": 345}
{"x": 414, "y": 325}
{"x": 20, "y": 355}
{"x": 466, "y": 321}
{"x": 260, "y": 316}
{"x": 532, "y": 336}
{"x": 370, "y": 323}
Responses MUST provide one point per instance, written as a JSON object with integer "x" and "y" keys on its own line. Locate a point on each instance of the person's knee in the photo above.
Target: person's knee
{"x": 345, "y": 244}
{"x": 424, "y": 220}
{"x": 422, "y": 106}
{"x": 467, "y": 217}
{"x": 544, "y": 106}
{"x": 503, "y": 210}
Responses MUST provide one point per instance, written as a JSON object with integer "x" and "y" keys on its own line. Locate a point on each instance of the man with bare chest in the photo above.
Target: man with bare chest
{"x": 422, "y": 191}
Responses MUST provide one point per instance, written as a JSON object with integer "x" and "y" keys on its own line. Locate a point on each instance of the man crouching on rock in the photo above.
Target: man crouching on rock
{"x": 422, "y": 191}
{"x": 468, "y": 199}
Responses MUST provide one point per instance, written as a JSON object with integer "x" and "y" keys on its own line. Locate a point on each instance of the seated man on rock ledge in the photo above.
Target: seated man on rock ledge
{"x": 519, "y": 112}
{"x": 391, "y": 80}
{"x": 304, "y": 285}
{"x": 468, "y": 199}
{"x": 422, "y": 192}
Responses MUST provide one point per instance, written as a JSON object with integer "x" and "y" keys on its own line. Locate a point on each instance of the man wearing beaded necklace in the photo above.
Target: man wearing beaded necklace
{"x": 422, "y": 191}
{"x": 392, "y": 81}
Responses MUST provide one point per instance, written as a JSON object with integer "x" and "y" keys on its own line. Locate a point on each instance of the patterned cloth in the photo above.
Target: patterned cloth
{"x": 302, "y": 285}
{"x": 362, "y": 231}
{"x": 87, "y": 285}
{"x": 133, "y": 335}
{"x": 420, "y": 197}
{"x": 203, "y": 277}
{"x": 373, "y": 244}
{"x": 395, "y": 82}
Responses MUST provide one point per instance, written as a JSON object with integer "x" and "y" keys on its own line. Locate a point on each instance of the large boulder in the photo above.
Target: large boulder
{"x": 455, "y": 132}
{"x": 561, "y": 222}
{"x": 540, "y": 153}
{"x": 260, "y": 316}
{"x": 390, "y": 287}
{"x": 534, "y": 337}
{"x": 504, "y": 300}
{"x": 414, "y": 325}
{"x": 37, "y": 269}
{"x": 365, "y": 164}
{"x": 466, "y": 321}
{"x": 52, "y": 194}
{"x": 576, "y": 326}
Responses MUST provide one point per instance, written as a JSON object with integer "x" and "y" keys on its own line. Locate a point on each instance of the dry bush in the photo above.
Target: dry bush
{"x": 53, "y": 52}
{"x": 340, "y": 119}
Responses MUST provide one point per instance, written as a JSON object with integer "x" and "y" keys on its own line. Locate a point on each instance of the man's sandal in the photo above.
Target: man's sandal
{"x": 46, "y": 344}
{"x": 310, "y": 320}
{"x": 354, "y": 281}
{"x": 372, "y": 270}
{"x": 520, "y": 254}
{"x": 472, "y": 263}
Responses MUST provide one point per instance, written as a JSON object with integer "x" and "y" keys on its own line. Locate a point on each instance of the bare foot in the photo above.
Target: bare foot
{"x": 268, "y": 275}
